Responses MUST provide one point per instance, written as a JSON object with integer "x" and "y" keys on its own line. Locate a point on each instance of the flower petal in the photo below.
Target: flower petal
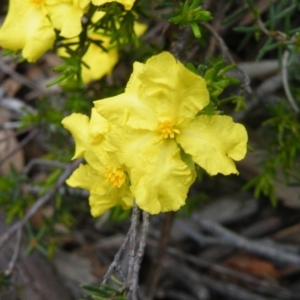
{"x": 127, "y": 108}
{"x": 27, "y": 27}
{"x": 100, "y": 62}
{"x": 178, "y": 93}
{"x": 160, "y": 179}
{"x": 160, "y": 90}
{"x": 213, "y": 142}
{"x": 98, "y": 127}
{"x": 66, "y": 18}
{"x": 77, "y": 124}
{"x": 103, "y": 195}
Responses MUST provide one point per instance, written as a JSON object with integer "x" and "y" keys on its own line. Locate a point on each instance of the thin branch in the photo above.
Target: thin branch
{"x": 40, "y": 202}
{"x": 116, "y": 262}
{"x": 227, "y": 56}
{"x": 284, "y": 74}
{"x": 21, "y": 144}
{"x": 233, "y": 239}
{"x": 260, "y": 285}
{"x": 19, "y": 78}
{"x": 39, "y": 161}
{"x": 140, "y": 254}
{"x": 15, "y": 255}
{"x": 164, "y": 238}
{"x": 194, "y": 279}
{"x": 132, "y": 245}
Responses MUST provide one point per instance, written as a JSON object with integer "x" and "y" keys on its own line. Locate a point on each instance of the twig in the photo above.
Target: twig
{"x": 227, "y": 56}
{"x": 266, "y": 88}
{"x": 180, "y": 43}
{"x": 284, "y": 74}
{"x": 40, "y": 202}
{"x": 140, "y": 255}
{"x": 15, "y": 255}
{"x": 164, "y": 238}
{"x": 240, "y": 242}
{"x": 39, "y": 161}
{"x": 193, "y": 279}
{"x": 116, "y": 262}
{"x": 15, "y": 133}
{"x": 132, "y": 245}
{"x": 260, "y": 285}
{"x": 21, "y": 144}
{"x": 21, "y": 79}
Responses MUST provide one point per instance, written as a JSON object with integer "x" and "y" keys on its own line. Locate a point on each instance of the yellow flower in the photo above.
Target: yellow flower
{"x": 30, "y": 24}
{"x": 126, "y": 3}
{"x": 160, "y": 111}
{"x": 102, "y": 176}
{"x": 100, "y": 62}
{"x": 27, "y": 28}
{"x": 66, "y": 15}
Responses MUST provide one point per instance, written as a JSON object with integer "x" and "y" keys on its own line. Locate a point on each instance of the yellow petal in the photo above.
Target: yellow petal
{"x": 160, "y": 179}
{"x": 100, "y": 63}
{"x": 83, "y": 177}
{"x": 66, "y": 18}
{"x": 178, "y": 94}
{"x": 213, "y": 142}
{"x": 126, "y": 109}
{"x": 127, "y": 3}
{"x": 103, "y": 195}
{"x": 158, "y": 91}
{"x": 27, "y": 28}
{"x": 98, "y": 127}
{"x": 77, "y": 124}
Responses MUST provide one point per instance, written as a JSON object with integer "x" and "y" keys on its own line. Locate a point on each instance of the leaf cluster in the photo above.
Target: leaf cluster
{"x": 190, "y": 13}
{"x": 105, "y": 292}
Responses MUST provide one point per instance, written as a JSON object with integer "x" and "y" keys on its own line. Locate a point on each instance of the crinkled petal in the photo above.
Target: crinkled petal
{"x": 160, "y": 90}
{"x": 98, "y": 127}
{"x": 66, "y": 18}
{"x": 126, "y": 3}
{"x": 100, "y": 63}
{"x": 213, "y": 142}
{"x": 127, "y": 109}
{"x": 160, "y": 179}
{"x": 83, "y": 177}
{"x": 77, "y": 124}
{"x": 103, "y": 195}
{"x": 178, "y": 93}
{"x": 27, "y": 28}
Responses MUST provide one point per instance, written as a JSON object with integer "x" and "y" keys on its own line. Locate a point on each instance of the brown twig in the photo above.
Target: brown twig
{"x": 227, "y": 237}
{"x": 19, "y": 78}
{"x": 227, "y": 56}
{"x": 39, "y": 161}
{"x": 21, "y": 144}
{"x": 115, "y": 265}
{"x": 194, "y": 279}
{"x": 132, "y": 245}
{"x": 40, "y": 202}
{"x": 140, "y": 254}
{"x": 164, "y": 238}
{"x": 15, "y": 255}
{"x": 260, "y": 285}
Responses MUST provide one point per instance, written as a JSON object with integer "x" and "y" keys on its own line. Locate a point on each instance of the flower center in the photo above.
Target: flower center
{"x": 166, "y": 130}
{"x": 115, "y": 176}
{"x": 37, "y": 2}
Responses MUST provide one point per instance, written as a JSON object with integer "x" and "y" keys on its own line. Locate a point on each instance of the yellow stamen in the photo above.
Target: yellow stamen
{"x": 166, "y": 130}
{"x": 115, "y": 176}
{"x": 37, "y": 2}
